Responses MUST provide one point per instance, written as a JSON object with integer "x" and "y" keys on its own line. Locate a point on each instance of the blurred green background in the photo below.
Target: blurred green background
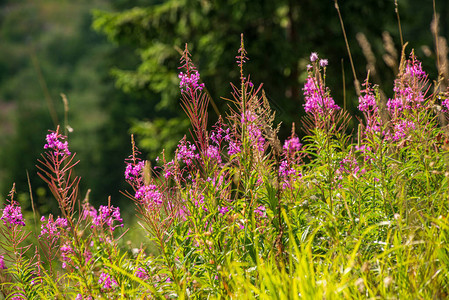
{"x": 116, "y": 61}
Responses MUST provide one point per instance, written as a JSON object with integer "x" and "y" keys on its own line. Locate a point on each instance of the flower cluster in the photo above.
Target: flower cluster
{"x": 408, "y": 88}
{"x": 260, "y": 211}
{"x": 318, "y": 99}
{"x": 291, "y": 146}
{"x": 66, "y": 253}
{"x": 2, "y": 263}
{"x": 189, "y": 82}
{"x": 54, "y": 143}
{"x": 220, "y": 134}
{"x": 149, "y": 195}
{"x": 12, "y": 215}
{"x": 254, "y": 130}
{"x": 445, "y": 102}
{"x": 186, "y": 152}
{"x": 107, "y": 215}
{"x": 169, "y": 169}
{"x": 80, "y": 297}
{"x": 401, "y": 130}
{"x": 88, "y": 211}
{"x": 213, "y": 153}
{"x": 409, "y": 97}
{"x": 234, "y": 148}
{"x": 317, "y": 96}
{"x": 52, "y": 228}
{"x": 348, "y": 165}
{"x": 313, "y": 56}
{"x": 368, "y": 105}
{"x": 106, "y": 281}
{"x": 286, "y": 170}
{"x": 141, "y": 273}
{"x": 367, "y": 101}
{"x": 132, "y": 172}
{"x": 288, "y": 173}
{"x": 223, "y": 210}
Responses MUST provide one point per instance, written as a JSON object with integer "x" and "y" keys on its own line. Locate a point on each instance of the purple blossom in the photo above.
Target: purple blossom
{"x": 254, "y": 130}
{"x": 445, "y": 104}
{"x": 213, "y": 153}
{"x": 133, "y": 172}
{"x": 234, "y": 148}
{"x": 2, "y": 263}
{"x": 368, "y": 105}
{"x": 80, "y": 297}
{"x": 219, "y": 134}
{"x": 87, "y": 256}
{"x": 367, "y": 101}
{"x": 288, "y": 173}
{"x": 141, "y": 273}
{"x": 291, "y": 146}
{"x": 285, "y": 170}
{"x": 66, "y": 252}
{"x": 107, "y": 215}
{"x": 318, "y": 99}
{"x": 414, "y": 69}
{"x": 408, "y": 88}
{"x": 190, "y": 82}
{"x": 248, "y": 117}
{"x": 149, "y": 195}
{"x": 261, "y": 211}
{"x": 89, "y": 211}
{"x": 323, "y": 62}
{"x": 54, "y": 143}
{"x": 313, "y": 56}
{"x": 52, "y": 228}
{"x": 106, "y": 281}
{"x": 12, "y": 215}
{"x": 198, "y": 200}
{"x": 348, "y": 166}
{"x": 169, "y": 169}
{"x": 367, "y": 152}
{"x": 186, "y": 152}
{"x": 401, "y": 129}
{"x": 223, "y": 210}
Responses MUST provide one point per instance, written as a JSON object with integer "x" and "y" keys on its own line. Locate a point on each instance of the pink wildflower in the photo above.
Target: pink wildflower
{"x": 54, "y": 143}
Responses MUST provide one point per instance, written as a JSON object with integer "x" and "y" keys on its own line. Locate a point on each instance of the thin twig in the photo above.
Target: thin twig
{"x": 396, "y": 9}
{"x": 435, "y": 32}
{"x": 356, "y": 81}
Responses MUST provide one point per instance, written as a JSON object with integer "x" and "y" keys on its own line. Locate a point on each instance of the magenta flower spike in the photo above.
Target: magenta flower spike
{"x": 2, "y": 263}
{"x": 318, "y": 99}
{"x": 54, "y": 142}
{"x": 12, "y": 215}
{"x": 106, "y": 281}
{"x": 51, "y": 228}
{"x": 409, "y": 88}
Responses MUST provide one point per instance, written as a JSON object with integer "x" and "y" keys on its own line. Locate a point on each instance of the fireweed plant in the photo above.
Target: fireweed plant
{"x": 239, "y": 214}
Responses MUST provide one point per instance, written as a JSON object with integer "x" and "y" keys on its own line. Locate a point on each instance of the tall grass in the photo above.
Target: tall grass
{"x": 239, "y": 214}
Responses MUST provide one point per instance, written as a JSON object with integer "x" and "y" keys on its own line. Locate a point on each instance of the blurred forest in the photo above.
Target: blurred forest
{"x": 117, "y": 63}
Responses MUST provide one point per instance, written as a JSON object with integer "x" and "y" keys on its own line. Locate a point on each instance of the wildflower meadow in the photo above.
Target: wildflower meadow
{"x": 328, "y": 213}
